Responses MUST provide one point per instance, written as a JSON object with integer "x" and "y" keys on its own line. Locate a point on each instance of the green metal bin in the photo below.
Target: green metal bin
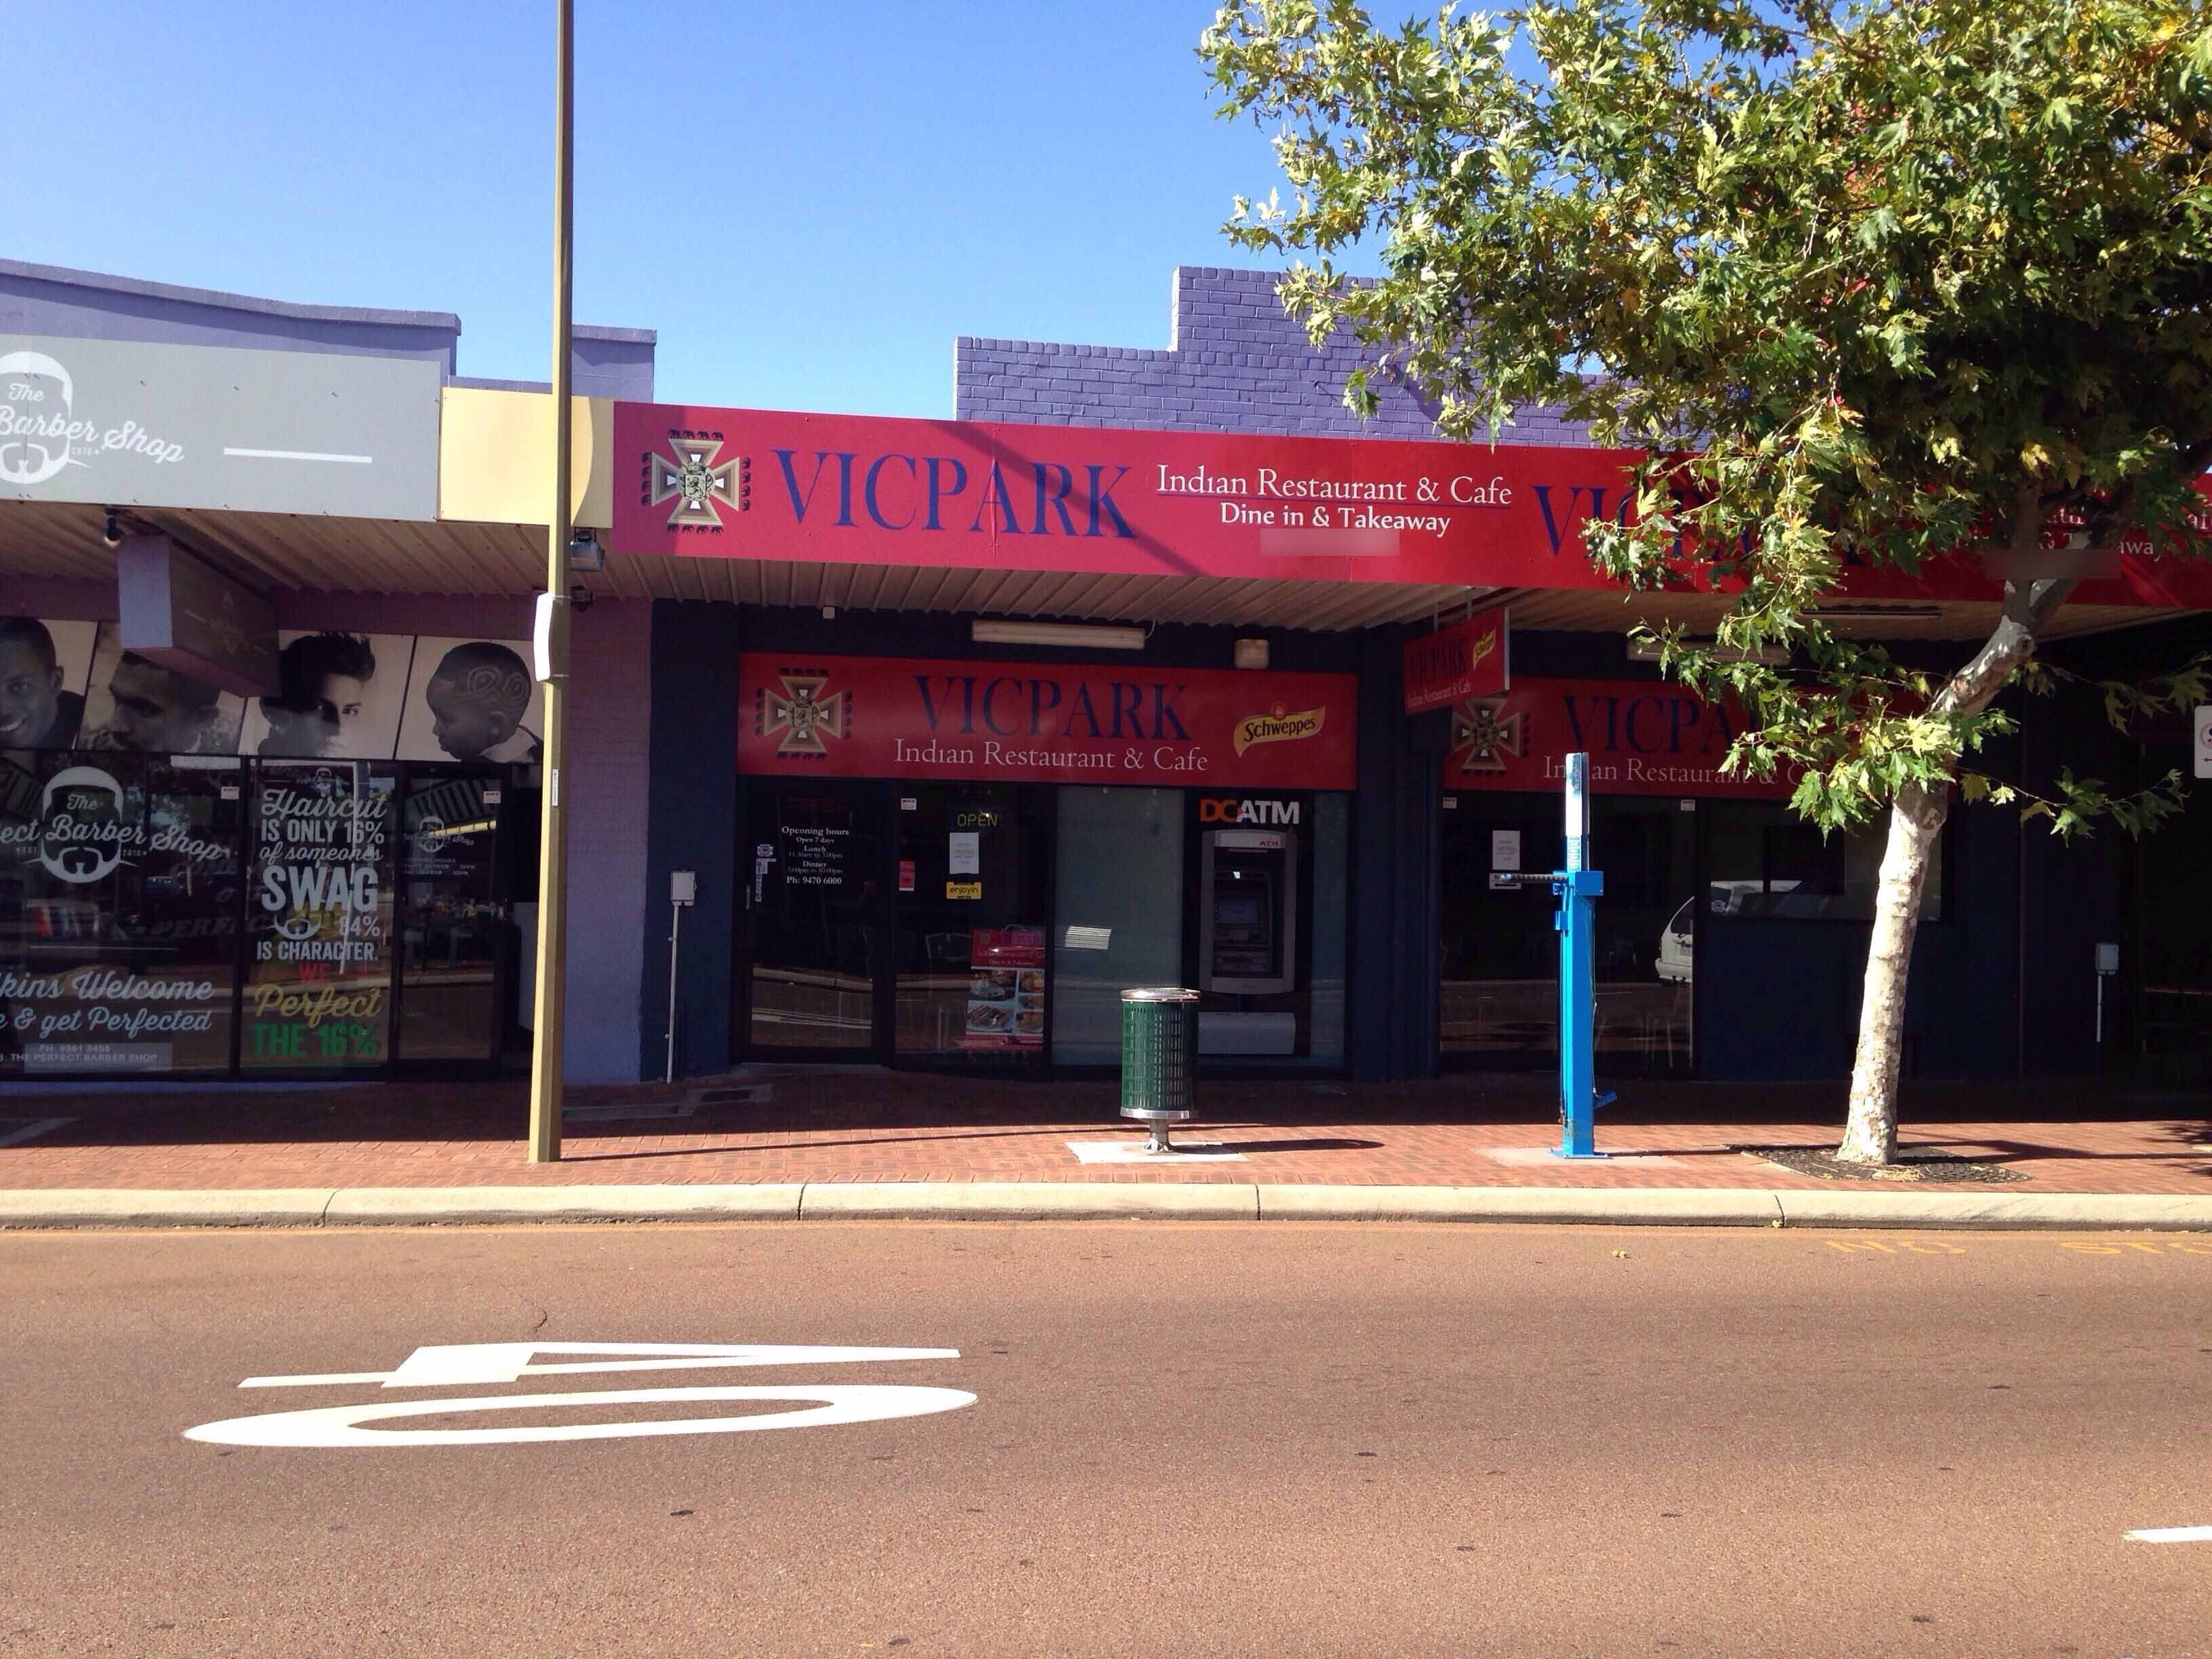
{"x": 1159, "y": 1057}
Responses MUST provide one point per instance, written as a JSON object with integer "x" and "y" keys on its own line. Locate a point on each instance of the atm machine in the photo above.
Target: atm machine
{"x": 1248, "y": 927}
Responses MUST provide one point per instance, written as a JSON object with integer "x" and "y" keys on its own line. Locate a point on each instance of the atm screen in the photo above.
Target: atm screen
{"x": 1237, "y": 911}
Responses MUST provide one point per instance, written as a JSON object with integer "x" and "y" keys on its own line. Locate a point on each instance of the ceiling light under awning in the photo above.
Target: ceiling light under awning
{"x": 1076, "y": 636}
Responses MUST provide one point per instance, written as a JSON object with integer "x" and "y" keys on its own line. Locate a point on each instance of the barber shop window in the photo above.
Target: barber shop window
{"x": 1768, "y": 864}
{"x": 118, "y": 912}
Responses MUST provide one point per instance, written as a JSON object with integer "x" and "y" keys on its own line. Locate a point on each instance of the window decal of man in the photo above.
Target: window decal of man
{"x": 158, "y": 710}
{"x": 35, "y": 713}
{"x": 324, "y": 687}
{"x": 477, "y": 698}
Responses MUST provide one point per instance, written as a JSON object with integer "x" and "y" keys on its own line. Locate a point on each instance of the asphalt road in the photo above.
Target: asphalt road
{"x": 1185, "y": 1440}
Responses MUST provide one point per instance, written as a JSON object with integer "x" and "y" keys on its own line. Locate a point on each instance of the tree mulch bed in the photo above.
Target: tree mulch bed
{"x": 1914, "y": 1164}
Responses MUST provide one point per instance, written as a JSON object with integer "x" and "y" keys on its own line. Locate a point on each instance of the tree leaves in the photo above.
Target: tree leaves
{"x": 1862, "y": 282}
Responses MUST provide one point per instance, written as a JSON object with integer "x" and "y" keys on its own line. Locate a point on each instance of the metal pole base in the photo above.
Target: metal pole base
{"x": 1159, "y": 1141}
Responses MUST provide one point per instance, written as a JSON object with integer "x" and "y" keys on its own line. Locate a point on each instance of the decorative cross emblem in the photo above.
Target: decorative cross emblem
{"x": 1483, "y": 734}
{"x": 804, "y": 715}
{"x": 690, "y": 476}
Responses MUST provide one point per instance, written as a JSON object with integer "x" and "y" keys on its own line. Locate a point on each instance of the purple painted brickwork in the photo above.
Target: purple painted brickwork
{"x": 611, "y": 718}
{"x": 1234, "y": 363}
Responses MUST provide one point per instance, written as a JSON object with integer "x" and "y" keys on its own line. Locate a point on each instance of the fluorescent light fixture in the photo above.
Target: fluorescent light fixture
{"x": 1773, "y": 655}
{"x": 1075, "y": 636}
{"x": 1873, "y": 608}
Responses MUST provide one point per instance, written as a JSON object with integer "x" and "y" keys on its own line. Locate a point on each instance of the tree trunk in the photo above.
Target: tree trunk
{"x": 1915, "y": 823}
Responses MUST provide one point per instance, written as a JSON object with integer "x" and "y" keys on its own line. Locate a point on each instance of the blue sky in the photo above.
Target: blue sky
{"x": 809, "y": 202}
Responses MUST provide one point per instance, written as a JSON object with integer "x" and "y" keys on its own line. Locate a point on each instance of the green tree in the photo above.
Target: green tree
{"x": 1883, "y": 280}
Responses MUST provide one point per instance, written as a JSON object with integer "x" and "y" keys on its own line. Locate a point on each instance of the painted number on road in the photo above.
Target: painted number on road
{"x": 480, "y": 1364}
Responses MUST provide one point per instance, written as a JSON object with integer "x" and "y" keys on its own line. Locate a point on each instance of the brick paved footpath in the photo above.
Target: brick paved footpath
{"x": 868, "y": 1125}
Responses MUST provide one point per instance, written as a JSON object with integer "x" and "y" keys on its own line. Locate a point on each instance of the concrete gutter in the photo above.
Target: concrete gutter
{"x": 1074, "y": 1200}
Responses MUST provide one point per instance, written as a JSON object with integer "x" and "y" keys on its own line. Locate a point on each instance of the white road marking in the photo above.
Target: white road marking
{"x": 340, "y": 1425}
{"x": 445, "y": 1365}
{"x": 2172, "y": 1535}
{"x": 1133, "y": 1151}
{"x": 299, "y": 455}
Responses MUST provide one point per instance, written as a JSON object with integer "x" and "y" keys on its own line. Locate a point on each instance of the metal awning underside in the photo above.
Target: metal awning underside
{"x": 272, "y": 550}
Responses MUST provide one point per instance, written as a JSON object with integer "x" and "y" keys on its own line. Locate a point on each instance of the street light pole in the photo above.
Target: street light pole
{"x": 551, "y": 999}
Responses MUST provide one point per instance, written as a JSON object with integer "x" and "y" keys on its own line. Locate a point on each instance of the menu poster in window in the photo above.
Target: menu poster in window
{"x": 1006, "y": 988}
{"x": 320, "y": 910}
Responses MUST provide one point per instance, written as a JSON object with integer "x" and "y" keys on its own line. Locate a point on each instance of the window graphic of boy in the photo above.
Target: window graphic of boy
{"x": 477, "y": 698}
{"x": 325, "y": 679}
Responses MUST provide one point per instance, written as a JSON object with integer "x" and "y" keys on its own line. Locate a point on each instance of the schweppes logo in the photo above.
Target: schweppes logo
{"x": 1277, "y": 726}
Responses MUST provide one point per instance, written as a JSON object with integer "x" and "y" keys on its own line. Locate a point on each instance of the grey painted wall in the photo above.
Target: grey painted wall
{"x": 88, "y": 304}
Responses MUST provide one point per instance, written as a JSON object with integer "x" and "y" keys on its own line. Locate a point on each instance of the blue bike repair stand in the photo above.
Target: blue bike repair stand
{"x": 1577, "y": 888}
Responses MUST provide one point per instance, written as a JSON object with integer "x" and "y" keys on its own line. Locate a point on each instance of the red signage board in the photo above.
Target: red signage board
{"x": 744, "y": 484}
{"x": 1470, "y": 658}
{"x": 801, "y": 714}
{"x": 750, "y": 484}
{"x": 1643, "y": 737}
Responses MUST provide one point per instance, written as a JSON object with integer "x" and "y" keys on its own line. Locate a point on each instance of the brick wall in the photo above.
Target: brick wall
{"x": 609, "y": 723}
{"x": 1234, "y": 362}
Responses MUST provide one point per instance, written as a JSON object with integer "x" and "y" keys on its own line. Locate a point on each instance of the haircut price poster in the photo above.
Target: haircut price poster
{"x": 318, "y": 986}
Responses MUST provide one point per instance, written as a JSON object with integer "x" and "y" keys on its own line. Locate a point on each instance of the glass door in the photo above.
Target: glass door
{"x": 975, "y": 896}
{"x": 453, "y": 929}
{"x": 815, "y": 909}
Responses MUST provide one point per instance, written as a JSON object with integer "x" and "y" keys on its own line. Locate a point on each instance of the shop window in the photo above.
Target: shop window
{"x": 1500, "y": 950}
{"x": 814, "y": 906}
{"x": 1118, "y": 918}
{"x": 118, "y": 912}
{"x": 1770, "y": 865}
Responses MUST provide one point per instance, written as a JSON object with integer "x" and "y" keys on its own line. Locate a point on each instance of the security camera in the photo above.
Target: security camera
{"x": 585, "y": 552}
{"x": 111, "y": 531}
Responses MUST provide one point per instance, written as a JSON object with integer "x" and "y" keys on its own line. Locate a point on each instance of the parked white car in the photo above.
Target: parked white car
{"x": 1674, "y": 961}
